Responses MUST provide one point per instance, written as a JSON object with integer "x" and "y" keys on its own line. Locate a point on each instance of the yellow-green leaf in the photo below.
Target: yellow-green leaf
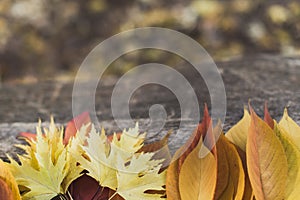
{"x": 293, "y": 158}
{"x": 266, "y": 161}
{"x": 44, "y": 167}
{"x": 291, "y": 127}
{"x": 198, "y": 174}
{"x": 239, "y": 132}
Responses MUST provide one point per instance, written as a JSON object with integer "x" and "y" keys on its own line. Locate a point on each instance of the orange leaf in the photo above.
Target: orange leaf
{"x": 172, "y": 179}
{"x": 30, "y": 136}
{"x": 5, "y": 192}
{"x": 230, "y": 176}
{"x": 75, "y": 124}
{"x": 266, "y": 161}
{"x": 204, "y": 130}
{"x": 8, "y": 186}
{"x": 198, "y": 175}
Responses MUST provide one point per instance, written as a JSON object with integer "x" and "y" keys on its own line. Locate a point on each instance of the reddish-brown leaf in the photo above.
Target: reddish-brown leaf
{"x": 267, "y": 117}
{"x": 87, "y": 188}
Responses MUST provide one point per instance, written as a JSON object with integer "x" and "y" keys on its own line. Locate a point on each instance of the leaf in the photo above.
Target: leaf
{"x": 160, "y": 149}
{"x": 293, "y": 159}
{"x": 118, "y": 166}
{"x": 99, "y": 160}
{"x": 266, "y": 161}
{"x": 75, "y": 150}
{"x": 291, "y": 127}
{"x": 267, "y": 117}
{"x": 230, "y": 176}
{"x": 248, "y": 193}
{"x": 139, "y": 176}
{"x": 5, "y": 192}
{"x": 75, "y": 124}
{"x": 197, "y": 178}
{"x": 239, "y": 132}
{"x": 44, "y": 166}
{"x": 172, "y": 179}
{"x": 87, "y": 188}
{"x": 204, "y": 129}
{"x": 8, "y": 186}
{"x": 71, "y": 129}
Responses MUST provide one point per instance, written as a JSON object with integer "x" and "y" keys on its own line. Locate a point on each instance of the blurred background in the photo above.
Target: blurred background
{"x": 48, "y": 39}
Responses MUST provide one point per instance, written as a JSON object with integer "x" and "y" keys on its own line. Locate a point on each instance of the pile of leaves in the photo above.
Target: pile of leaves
{"x": 256, "y": 159}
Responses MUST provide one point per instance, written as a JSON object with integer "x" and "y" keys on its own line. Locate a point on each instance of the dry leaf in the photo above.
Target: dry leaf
{"x": 248, "y": 193}
{"x": 75, "y": 124}
{"x": 87, "y": 188}
{"x": 239, "y": 132}
{"x": 71, "y": 129}
{"x": 44, "y": 166}
{"x": 291, "y": 127}
{"x": 230, "y": 176}
{"x": 266, "y": 161}
{"x": 293, "y": 159}
{"x": 139, "y": 176}
{"x": 160, "y": 149}
{"x": 204, "y": 129}
{"x": 8, "y": 186}
{"x": 118, "y": 166}
{"x": 198, "y": 175}
{"x": 172, "y": 179}
{"x": 267, "y": 117}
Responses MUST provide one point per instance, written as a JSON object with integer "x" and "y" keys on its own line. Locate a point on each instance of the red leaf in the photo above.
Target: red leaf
{"x": 75, "y": 124}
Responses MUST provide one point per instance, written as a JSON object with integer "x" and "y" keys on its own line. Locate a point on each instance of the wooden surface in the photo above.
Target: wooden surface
{"x": 259, "y": 78}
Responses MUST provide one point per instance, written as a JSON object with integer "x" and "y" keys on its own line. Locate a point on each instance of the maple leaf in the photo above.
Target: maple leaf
{"x": 71, "y": 129}
{"x": 44, "y": 166}
{"x": 113, "y": 163}
{"x": 140, "y": 175}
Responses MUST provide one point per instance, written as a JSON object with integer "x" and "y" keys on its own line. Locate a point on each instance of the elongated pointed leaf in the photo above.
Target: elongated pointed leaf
{"x": 204, "y": 130}
{"x": 291, "y": 127}
{"x": 266, "y": 161}
{"x": 230, "y": 177}
{"x": 197, "y": 178}
{"x": 293, "y": 160}
{"x": 267, "y": 117}
{"x": 239, "y": 132}
{"x": 248, "y": 192}
{"x": 172, "y": 179}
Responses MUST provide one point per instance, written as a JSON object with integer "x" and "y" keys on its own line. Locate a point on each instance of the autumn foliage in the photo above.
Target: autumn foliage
{"x": 256, "y": 159}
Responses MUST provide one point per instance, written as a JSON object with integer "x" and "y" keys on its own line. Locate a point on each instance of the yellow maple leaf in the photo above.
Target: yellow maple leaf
{"x": 44, "y": 166}
{"x": 118, "y": 166}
